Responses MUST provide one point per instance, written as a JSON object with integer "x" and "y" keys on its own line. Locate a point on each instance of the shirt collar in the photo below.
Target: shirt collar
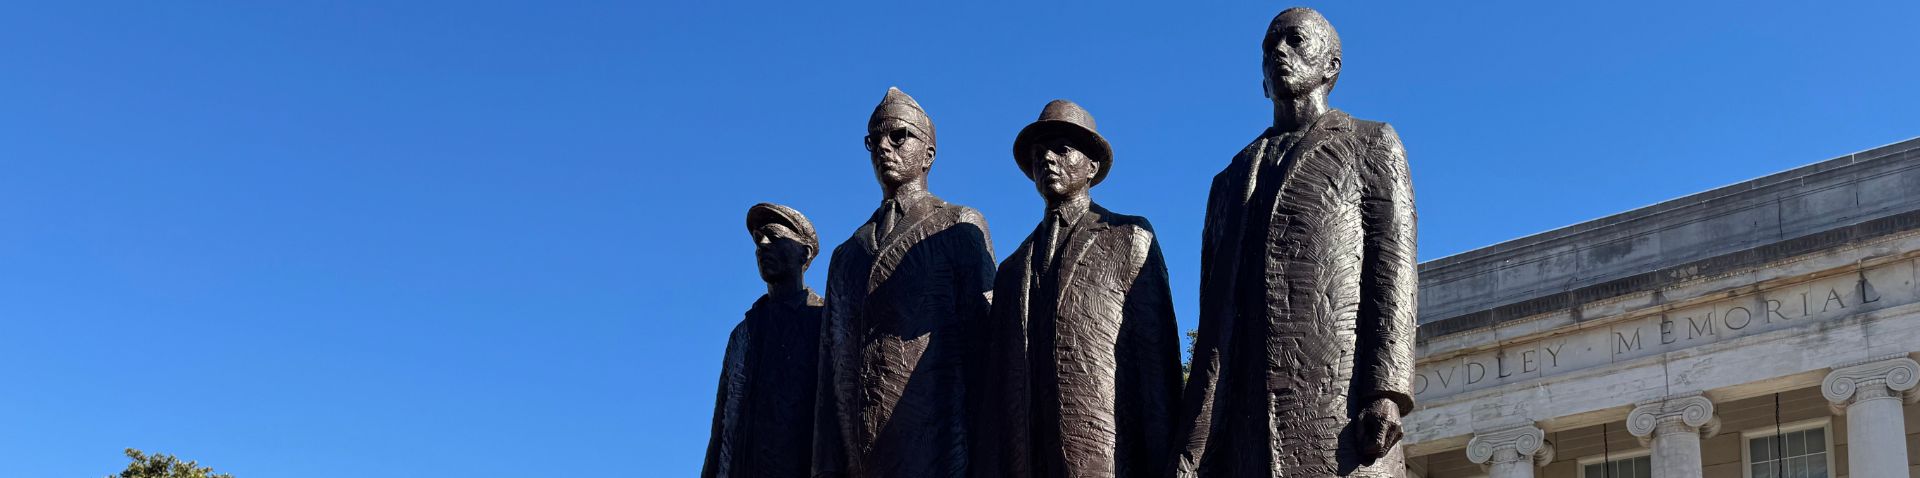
{"x": 1069, "y": 211}
{"x": 906, "y": 200}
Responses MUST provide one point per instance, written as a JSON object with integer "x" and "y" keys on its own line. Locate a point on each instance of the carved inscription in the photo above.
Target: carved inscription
{"x": 1774, "y": 309}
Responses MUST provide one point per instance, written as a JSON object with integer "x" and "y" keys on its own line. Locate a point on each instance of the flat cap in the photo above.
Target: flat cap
{"x": 770, "y": 213}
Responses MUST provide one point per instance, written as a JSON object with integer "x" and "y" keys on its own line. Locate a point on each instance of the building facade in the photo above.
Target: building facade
{"x": 1766, "y": 329}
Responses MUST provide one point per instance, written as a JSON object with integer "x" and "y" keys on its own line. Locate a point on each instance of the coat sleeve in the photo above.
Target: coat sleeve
{"x": 1389, "y": 275}
{"x": 726, "y": 405}
{"x": 829, "y": 445}
{"x": 973, "y": 270}
{"x": 1000, "y": 431}
{"x": 1151, "y": 358}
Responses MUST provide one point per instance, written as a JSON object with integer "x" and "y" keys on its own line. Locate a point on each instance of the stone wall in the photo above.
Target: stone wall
{"x": 1802, "y": 201}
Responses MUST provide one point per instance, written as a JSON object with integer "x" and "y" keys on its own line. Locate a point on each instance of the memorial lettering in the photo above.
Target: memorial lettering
{"x": 1676, "y": 328}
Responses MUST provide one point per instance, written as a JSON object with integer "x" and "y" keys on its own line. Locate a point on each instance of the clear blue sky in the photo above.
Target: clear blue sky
{"x": 395, "y": 239}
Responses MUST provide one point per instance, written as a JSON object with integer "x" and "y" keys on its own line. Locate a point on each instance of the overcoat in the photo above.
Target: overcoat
{"x": 905, "y": 310}
{"x": 1307, "y": 304}
{"x": 763, "y": 414}
{"x": 1085, "y": 368}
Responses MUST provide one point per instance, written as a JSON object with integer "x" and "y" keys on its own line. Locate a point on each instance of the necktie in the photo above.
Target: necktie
{"x": 888, "y": 212}
{"x": 1050, "y": 239}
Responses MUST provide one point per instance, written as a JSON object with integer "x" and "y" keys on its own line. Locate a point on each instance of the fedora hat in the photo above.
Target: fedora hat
{"x": 1062, "y": 117}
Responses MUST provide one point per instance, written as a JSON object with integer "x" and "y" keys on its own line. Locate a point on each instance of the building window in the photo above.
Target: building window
{"x": 1799, "y": 450}
{"x": 1636, "y": 467}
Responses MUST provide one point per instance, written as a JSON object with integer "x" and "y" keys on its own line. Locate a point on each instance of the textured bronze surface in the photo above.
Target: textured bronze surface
{"x": 906, "y": 304}
{"x": 763, "y": 414}
{"x": 1083, "y": 345}
{"x": 1304, "y": 358}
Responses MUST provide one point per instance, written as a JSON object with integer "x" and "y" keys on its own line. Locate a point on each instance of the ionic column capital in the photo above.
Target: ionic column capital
{"x": 1678, "y": 414}
{"x": 1887, "y": 377}
{"x": 1510, "y": 445}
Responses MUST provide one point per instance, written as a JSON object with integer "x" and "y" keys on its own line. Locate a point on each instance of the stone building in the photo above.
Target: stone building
{"x": 1763, "y": 329}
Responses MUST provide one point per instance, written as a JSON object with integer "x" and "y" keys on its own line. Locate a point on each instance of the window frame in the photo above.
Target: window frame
{"x": 1747, "y": 436}
{"x": 1580, "y": 465}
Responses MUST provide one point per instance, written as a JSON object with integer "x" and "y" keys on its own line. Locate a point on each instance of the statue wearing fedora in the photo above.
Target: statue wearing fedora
{"x": 763, "y": 414}
{"x": 906, "y": 303}
{"x": 1085, "y": 360}
{"x": 1304, "y": 359}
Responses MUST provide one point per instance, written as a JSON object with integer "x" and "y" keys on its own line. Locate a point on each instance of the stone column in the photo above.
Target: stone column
{"x": 1870, "y": 395}
{"x": 1511, "y": 452}
{"x": 1673, "y": 428}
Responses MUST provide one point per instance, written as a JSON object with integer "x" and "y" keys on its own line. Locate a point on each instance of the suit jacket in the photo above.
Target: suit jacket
{"x": 763, "y": 414}
{"x": 1085, "y": 368}
{"x": 1307, "y": 304}
{"x": 899, "y": 346}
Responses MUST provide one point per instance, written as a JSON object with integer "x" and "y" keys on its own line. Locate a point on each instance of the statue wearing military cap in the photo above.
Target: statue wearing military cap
{"x": 1303, "y": 364}
{"x": 906, "y": 301}
{"x": 1084, "y": 351}
{"x": 763, "y": 414}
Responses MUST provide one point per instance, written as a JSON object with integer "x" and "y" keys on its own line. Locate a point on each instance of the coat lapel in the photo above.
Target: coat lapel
{"x": 1240, "y": 171}
{"x": 1022, "y": 297}
{"x": 928, "y": 215}
{"x": 1024, "y": 258}
{"x": 869, "y": 237}
{"x": 1333, "y": 123}
{"x": 1074, "y": 256}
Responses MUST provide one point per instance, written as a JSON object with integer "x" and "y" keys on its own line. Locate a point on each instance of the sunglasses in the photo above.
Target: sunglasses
{"x": 897, "y": 137}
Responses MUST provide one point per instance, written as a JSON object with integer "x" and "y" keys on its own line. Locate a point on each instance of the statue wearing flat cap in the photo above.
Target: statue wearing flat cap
{"x": 906, "y": 302}
{"x": 763, "y": 415}
{"x": 1304, "y": 358}
{"x": 1084, "y": 351}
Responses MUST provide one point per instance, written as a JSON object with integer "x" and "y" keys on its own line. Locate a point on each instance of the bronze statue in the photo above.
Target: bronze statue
{"x": 906, "y": 303}
{"x": 763, "y": 415}
{"x": 1304, "y": 358}
{"x": 1085, "y": 367}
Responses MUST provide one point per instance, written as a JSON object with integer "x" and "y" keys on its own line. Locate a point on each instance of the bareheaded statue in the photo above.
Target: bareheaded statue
{"x": 1304, "y": 359}
{"x": 907, "y": 301}
{"x": 1085, "y": 354}
{"x": 763, "y": 415}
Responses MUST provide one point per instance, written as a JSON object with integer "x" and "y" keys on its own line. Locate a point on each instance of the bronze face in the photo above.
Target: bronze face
{"x": 779, "y": 252}
{"x": 1301, "y": 52}
{"x": 1060, "y": 169}
{"x": 899, "y": 151}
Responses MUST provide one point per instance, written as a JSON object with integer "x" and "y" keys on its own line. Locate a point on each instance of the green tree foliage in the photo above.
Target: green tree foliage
{"x": 1193, "y": 335}
{"x": 161, "y": 465}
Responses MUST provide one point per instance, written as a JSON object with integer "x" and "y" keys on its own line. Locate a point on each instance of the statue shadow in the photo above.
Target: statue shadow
{"x": 920, "y": 436}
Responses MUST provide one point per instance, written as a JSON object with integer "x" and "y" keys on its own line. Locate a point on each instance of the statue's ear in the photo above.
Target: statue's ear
{"x": 929, "y": 156}
{"x": 1333, "y": 68}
